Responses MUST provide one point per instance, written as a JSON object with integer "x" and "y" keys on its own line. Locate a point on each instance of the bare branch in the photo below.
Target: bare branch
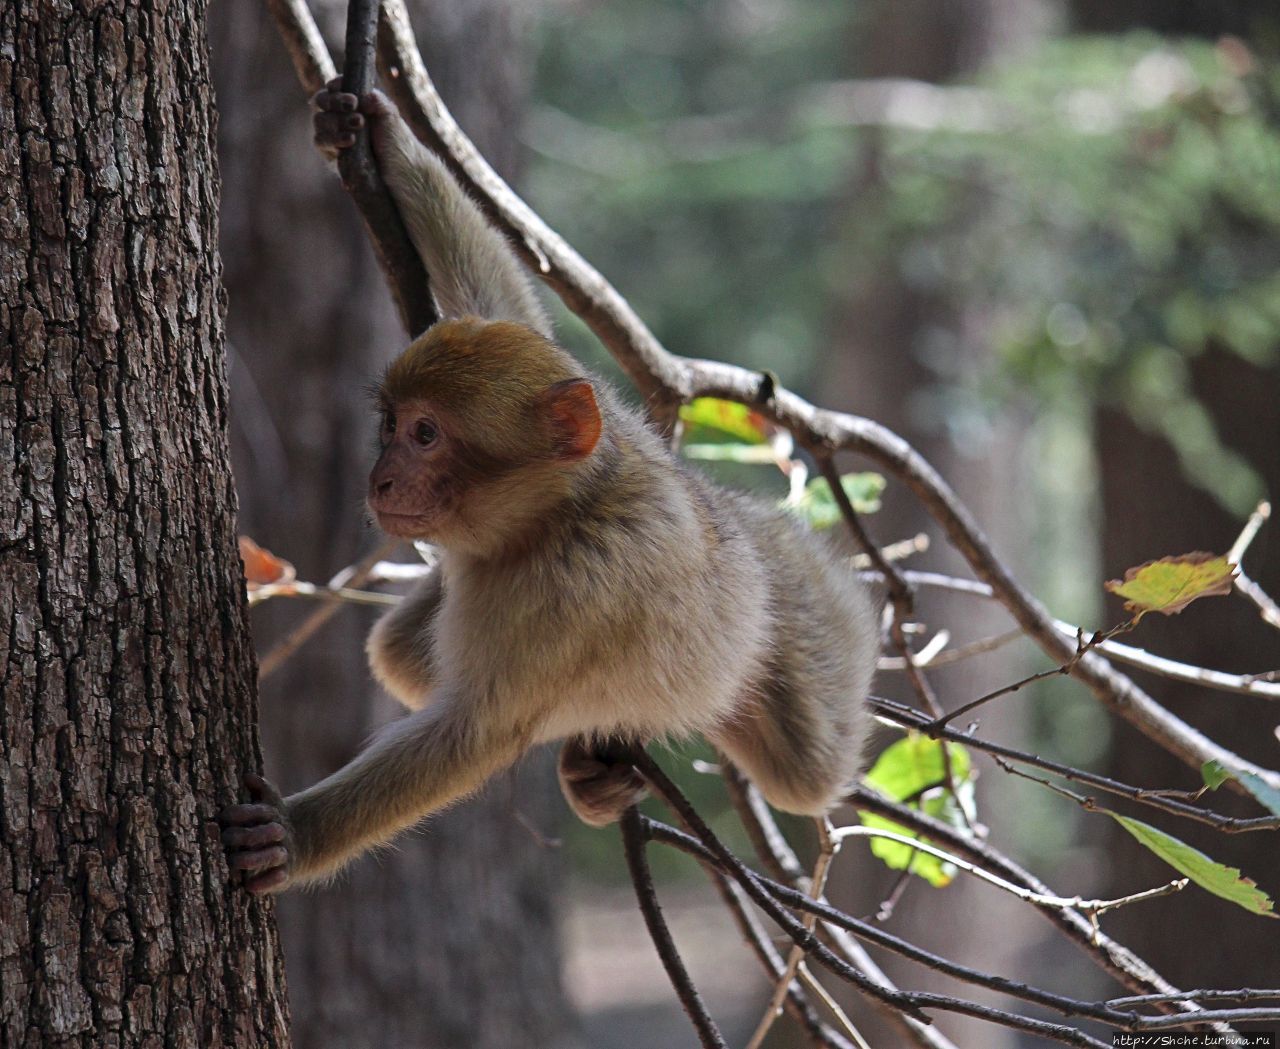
{"x": 304, "y": 43}
{"x": 1267, "y": 605}
{"x": 1245, "y": 684}
{"x": 296, "y": 638}
{"x": 633, "y": 840}
{"x": 401, "y": 265}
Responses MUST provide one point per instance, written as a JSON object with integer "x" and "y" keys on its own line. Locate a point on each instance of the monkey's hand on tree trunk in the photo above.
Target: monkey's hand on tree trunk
{"x": 258, "y": 838}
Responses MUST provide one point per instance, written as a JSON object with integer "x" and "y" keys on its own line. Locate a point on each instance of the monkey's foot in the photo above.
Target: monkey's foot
{"x": 598, "y": 787}
{"x": 256, "y": 837}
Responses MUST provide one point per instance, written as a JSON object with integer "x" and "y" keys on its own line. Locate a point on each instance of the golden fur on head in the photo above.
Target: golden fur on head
{"x": 488, "y": 372}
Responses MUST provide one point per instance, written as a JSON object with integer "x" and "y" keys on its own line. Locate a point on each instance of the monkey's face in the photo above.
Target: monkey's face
{"x": 410, "y": 491}
{"x": 437, "y": 479}
{"x": 479, "y": 472}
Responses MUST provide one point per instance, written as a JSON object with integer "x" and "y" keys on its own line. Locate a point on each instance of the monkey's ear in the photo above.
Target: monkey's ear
{"x": 574, "y": 417}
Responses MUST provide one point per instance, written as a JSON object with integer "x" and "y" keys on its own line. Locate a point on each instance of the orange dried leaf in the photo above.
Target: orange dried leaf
{"x": 262, "y": 566}
{"x": 1169, "y": 584}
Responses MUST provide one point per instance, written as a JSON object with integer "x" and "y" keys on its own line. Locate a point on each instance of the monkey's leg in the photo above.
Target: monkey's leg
{"x": 800, "y": 746}
{"x": 598, "y": 784}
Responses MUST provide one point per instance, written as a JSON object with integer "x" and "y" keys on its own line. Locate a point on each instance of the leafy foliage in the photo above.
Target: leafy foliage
{"x": 817, "y": 505}
{"x": 913, "y": 771}
{"x": 1169, "y": 584}
{"x": 1217, "y": 878}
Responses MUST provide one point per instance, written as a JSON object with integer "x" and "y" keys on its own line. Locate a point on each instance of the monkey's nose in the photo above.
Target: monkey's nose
{"x": 382, "y": 488}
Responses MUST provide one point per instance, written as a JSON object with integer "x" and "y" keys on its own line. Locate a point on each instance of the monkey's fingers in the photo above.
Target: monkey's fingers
{"x": 248, "y": 815}
{"x": 332, "y": 99}
{"x": 262, "y": 789}
{"x": 266, "y": 881}
{"x": 258, "y": 859}
{"x": 335, "y": 132}
{"x": 254, "y": 837}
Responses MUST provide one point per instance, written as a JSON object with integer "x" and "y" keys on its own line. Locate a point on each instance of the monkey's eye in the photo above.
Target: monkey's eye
{"x": 425, "y": 433}
{"x": 388, "y": 423}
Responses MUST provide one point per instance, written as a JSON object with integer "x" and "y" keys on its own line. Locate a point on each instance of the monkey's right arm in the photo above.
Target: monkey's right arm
{"x": 419, "y": 765}
{"x": 472, "y": 268}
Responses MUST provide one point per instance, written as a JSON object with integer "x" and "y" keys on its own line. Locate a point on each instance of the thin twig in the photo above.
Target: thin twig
{"x": 1267, "y": 605}
{"x": 909, "y": 717}
{"x": 779, "y": 859}
{"x": 828, "y": 847}
{"x": 1078, "y": 903}
{"x": 898, "y": 551}
{"x": 633, "y": 840}
{"x": 297, "y": 588}
{"x": 948, "y": 656}
{"x": 1247, "y": 534}
{"x": 1239, "y": 994}
{"x": 300, "y": 634}
{"x": 1082, "y": 647}
{"x": 1244, "y": 684}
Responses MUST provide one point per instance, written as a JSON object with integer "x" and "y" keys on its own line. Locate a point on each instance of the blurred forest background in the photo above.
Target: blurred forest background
{"x": 1038, "y": 238}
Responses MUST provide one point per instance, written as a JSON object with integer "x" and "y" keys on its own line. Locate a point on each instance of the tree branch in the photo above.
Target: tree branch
{"x": 634, "y": 837}
{"x": 400, "y": 262}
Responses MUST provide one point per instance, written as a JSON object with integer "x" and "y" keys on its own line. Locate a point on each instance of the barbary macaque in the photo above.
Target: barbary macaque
{"x": 590, "y": 586}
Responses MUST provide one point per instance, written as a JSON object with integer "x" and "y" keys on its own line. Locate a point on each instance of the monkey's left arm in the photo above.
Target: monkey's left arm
{"x": 401, "y": 647}
{"x": 472, "y": 268}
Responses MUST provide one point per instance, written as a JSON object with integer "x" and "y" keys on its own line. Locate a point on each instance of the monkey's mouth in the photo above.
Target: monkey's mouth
{"x": 403, "y": 526}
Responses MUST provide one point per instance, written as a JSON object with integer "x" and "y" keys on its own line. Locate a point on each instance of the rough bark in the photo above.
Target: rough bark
{"x": 449, "y": 940}
{"x": 125, "y": 665}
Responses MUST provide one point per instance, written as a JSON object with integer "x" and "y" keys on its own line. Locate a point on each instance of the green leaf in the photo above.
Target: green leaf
{"x": 729, "y": 417}
{"x": 912, "y": 770}
{"x": 732, "y": 452}
{"x": 1213, "y": 774}
{"x": 1171, "y": 583}
{"x": 818, "y": 506}
{"x": 1217, "y": 878}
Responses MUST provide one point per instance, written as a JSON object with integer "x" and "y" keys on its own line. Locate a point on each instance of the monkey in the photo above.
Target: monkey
{"x": 591, "y": 587}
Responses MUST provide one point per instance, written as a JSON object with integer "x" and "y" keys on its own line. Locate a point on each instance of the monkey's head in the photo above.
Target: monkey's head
{"x": 482, "y": 425}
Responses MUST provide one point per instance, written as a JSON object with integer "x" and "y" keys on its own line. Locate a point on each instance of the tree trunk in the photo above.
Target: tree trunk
{"x": 128, "y": 678}
{"x": 448, "y": 941}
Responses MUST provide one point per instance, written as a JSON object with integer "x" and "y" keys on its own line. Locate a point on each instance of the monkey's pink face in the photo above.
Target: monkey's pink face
{"x": 411, "y": 486}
